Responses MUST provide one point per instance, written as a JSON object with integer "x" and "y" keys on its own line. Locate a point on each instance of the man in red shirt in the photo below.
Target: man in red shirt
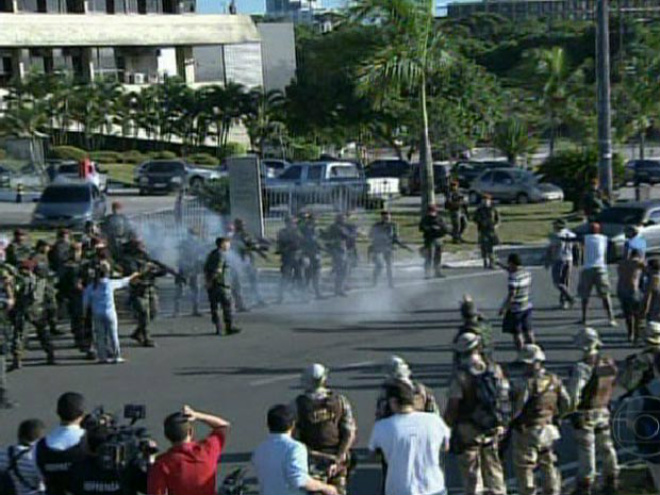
{"x": 189, "y": 467}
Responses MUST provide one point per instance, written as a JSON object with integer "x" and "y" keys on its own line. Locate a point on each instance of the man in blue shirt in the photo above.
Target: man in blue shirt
{"x": 281, "y": 462}
{"x": 634, "y": 240}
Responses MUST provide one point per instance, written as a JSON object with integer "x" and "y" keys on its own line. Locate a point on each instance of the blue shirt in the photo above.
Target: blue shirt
{"x": 638, "y": 242}
{"x": 281, "y": 465}
{"x": 65, "y": 437}
{"x": 101, "y": 296}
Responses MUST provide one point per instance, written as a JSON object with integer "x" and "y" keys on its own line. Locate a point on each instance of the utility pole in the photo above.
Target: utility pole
{"x": 604, "y": 105}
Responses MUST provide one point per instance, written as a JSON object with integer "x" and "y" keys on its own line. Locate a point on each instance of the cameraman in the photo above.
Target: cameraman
{"x": 90, "y": 476}
{"x": 63, "y": 446}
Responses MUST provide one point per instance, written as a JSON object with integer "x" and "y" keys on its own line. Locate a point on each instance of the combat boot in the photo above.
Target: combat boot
{"x": 147, "y": 342}
{"x": 231, "y": 329}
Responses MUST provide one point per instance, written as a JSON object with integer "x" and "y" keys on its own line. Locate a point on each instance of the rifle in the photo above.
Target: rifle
{"x": 178, "y": 277}
{"x": 397, "y": 242}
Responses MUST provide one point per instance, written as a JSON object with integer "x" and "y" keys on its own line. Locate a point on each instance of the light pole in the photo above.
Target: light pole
{"x": 604, "y": 106}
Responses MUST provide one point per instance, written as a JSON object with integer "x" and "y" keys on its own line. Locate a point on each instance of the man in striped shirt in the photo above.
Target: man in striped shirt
{"x": 18, "y": 460}
{"x": 594, "y": 273}
{"x": 517, "y": 308}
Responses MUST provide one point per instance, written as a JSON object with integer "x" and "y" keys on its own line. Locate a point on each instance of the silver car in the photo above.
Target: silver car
{"x": 514, "y": 185}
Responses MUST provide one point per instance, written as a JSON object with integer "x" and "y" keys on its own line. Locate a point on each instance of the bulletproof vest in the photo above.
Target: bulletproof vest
{"x": 55, "y": 465}
{"x": 454, "y": 202}
{"x": 383, "y": 234}
{"x": 541, "y": 406}
{"x": 598, "y": 391}
{"x": 318, "y": 421}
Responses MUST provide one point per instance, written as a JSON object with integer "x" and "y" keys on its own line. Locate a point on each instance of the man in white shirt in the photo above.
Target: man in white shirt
{"x": 594, "y": 273}
{"x": 411, "y": 443}
{"x": 281, "y": 462}
{"x": 559, "y": 259}
{"x": 18, "y": 460}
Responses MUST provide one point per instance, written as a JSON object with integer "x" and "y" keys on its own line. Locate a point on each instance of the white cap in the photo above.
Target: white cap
{"x": 467, "y": 342}
{"x": 531, "y": 353}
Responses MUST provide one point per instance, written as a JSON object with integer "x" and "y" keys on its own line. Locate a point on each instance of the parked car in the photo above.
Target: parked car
{"x": 69, "y": 204}
{"x": 614, "y": 220}
{"x": 384, "y": 175}
{"x": 170, "y": 175}
{"x": 513, "y": 184}
{"x": 67, "y": 171}
{"x": 643, "y": 171}
{"x": 411, "y": 184}
{"x": 271, "y": 167}
{"x": 467, "y": 171}
{"x": 5, "y": 176}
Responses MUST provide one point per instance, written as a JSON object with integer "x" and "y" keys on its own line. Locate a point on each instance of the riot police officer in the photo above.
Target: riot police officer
{"x": 289, "y": 243}
{"x": 311, "y": 254}
{"x": 433, "y": 229}
{"x": 246, "y": 247}
{"x": 326, "y": 426}
{"x": 487, "y": 219}
{"x": 190, "y": 269}
{"x": 338, "y": 239}
{"x": 590, "y": 389}
{"x": 7, "y": 301}
{"x": 539, "y": 400}
{"x": 458, "y": 212}
{"x": 383, "y": 236}
{"x": 218, "y": 286}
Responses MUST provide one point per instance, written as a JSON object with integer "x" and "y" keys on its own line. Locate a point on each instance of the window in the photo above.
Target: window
{"x": 67, "y": 194}
{"x": 345, "y": 172}
{"x": 502, "y": 178}
{"x": 315, "y": 173}
{"x": 654, "y": 216}
{"x": 487, "y": 177}
{"x": 142, "y": 6}
{"x": 166, "y": 167}
{"x": 291, "y": 173}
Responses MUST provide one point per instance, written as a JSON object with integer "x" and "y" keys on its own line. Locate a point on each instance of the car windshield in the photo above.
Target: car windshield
{"x": 68, "y": 169}
{"x": 623, "y": 216}
{"x": 345, "y": 172}
{"x": 527, "y": 177}
{"x": 66, "y": 195}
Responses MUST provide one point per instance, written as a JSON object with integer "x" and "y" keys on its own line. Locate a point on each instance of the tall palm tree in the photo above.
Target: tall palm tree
{"x": 414, "y": 51}
{"x": 261, "y": 117}
{"x": 512, "y": 137}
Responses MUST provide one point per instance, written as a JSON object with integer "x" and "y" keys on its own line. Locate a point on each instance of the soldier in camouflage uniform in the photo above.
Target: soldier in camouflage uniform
{"x": 7, "y": 301}
{"x": 58, "y": 256}
{"x": 338, "y": 238}
{"x": 458, "y": 212}
{"x": 143, "y": 291}
{"x": 117, "y": 228}
{"x": 43, "y": 271}
{"x": 352, "y": 255}
{"x": 30, "y": 307}
{"x": 326, "y": 426}
{"x": 593, "y": 202}
{"x": 19, "y": 249}
{"x": 590, "y": 388}
{"x": 476, "y": 323}
{"x": 433, "y": 229}
{"x": 289, "y": 245}
{"x": 383, "y": 236}
{"x": 245, "y": 247}
{"x": 311, "y": 253}
{"x": 399, "y": 371}
{"x": 487, "y": 219}
{"x": 218, "y": 284}
{"x": 539, "y": 400}
{"x": 190, "y": 270}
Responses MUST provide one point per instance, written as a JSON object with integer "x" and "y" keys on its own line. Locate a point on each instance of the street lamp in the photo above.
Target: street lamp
{"x": 604, "y": 93}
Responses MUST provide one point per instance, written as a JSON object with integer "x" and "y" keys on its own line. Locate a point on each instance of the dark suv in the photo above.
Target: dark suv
{"x": 387, "y": 167}
{"x": 643, "y": 171}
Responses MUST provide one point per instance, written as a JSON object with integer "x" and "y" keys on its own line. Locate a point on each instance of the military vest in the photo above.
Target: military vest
{"x": 383, "y": 235}
{"x": 454, "y": 202}
{"x": 55, "y": 465}
{"x": 318, "y": 421}
{"x": 598, "y": 390}
{"x": 542, "y": 404}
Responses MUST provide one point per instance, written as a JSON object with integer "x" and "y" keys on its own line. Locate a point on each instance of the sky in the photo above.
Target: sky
{"x": 259, "y": 6}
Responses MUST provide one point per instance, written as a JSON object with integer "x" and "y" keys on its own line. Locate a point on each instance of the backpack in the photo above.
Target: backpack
{"x": 7, "y": 486}
{"x": 493, "y": 403}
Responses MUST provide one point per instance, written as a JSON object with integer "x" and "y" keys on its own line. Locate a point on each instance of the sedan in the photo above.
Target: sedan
{"x": 514, "y": 185}
{"x": 69, "y": 205}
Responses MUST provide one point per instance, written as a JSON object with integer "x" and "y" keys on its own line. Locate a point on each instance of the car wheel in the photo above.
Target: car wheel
{"x": 474, "y": 198}
{"x": 196, "y": 183}
{"x": 522, "y": 199}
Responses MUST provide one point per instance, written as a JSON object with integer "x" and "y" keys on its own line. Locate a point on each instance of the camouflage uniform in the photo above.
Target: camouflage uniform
{"x": 289, "y": 243}
{"x": 487, "y": 219}
{"x": 458, "y": 213}
{"x": 190, "y": 269}
{"x": 433, "y": 229}
{"x": 311, "y": 253}
{"x": 383, "y": 236}
{"x": 352, "y": 256}
{"x": 18, "y": 252}
{"x": 43, "y": 271}
{"x": 539, "y": 400}
{"x": 424, "y": 399}
{"x": 338, "y": 237}
{"x": 590, "y": 389}
{"x": 218, "y": 283}
{"x": 245, "y": 246}
{"x": 117, "y": 228}
{"x": 74, "y": 278}
{"x": 58, "y": 256}
{"x": 7, "y": 299}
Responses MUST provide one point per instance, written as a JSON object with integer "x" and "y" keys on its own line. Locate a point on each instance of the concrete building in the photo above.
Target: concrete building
{"x": 558, "y": 9}
{"x": 137, "y": 42}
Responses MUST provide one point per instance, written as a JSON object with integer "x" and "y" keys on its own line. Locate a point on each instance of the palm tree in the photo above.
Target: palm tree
{"x": 261, "y": 117}
{"x": 414, "y": 52}
{"x": 513, "y": 139}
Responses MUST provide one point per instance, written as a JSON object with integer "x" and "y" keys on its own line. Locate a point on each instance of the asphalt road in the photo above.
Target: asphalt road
{"x": 239, "y": 377}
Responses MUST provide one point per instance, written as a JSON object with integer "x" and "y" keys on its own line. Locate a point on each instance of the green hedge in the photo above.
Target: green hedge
{"x": 106, "y": 157}
{"x": 3, "y": 154}
{"x": 162, "y": 155}
{"x": 133, "y": 156}
{"x": 202, "y": 159}
{"x": 215, "y": 195}
{"x": 232, "y": 149}
{"x": 68, "y": 153}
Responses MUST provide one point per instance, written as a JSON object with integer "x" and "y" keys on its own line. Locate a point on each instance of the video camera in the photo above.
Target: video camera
{"x": 125, "y": 444}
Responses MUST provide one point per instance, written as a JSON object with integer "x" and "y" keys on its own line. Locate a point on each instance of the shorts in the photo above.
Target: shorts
{"x": 631, "y": 302}
{"x": 516, "y": 322}
{"x": 591, "y": 277}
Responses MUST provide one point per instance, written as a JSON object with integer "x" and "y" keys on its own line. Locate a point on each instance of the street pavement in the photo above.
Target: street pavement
{"x": 239, "y": 377}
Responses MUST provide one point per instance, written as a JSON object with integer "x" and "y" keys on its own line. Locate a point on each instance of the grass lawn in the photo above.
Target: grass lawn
{"x": 120, "y": 172}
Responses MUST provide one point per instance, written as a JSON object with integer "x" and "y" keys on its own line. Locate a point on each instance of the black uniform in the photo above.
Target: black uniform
{"x": 311, "y": 253}
{"x": 384, "y": 235}
{"x": 289, "y": 246}
{"x": 218, "y": 283}
{"x": 338, "y": 239}
{"x": 433, "y": 229}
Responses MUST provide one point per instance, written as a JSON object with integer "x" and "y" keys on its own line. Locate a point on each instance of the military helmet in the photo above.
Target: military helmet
{"x": 530, "y": 354}
{"x": 653, "y": 334}
{"x": 398, "y": 368}
{"x": 467, "y": 342}
{"x": 313, "y": 375}
{"x": 468, "y": 308}
{"x": 588, "y": 339}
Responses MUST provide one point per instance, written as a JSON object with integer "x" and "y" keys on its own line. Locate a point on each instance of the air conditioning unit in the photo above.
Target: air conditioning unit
{"x": 138, "y": 78}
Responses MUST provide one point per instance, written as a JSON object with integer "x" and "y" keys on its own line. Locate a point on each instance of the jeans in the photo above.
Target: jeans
{"x": 106, "y": 334}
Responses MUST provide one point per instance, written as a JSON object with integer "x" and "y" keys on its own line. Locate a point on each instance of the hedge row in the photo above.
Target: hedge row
{"x": 136, "y": 157}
